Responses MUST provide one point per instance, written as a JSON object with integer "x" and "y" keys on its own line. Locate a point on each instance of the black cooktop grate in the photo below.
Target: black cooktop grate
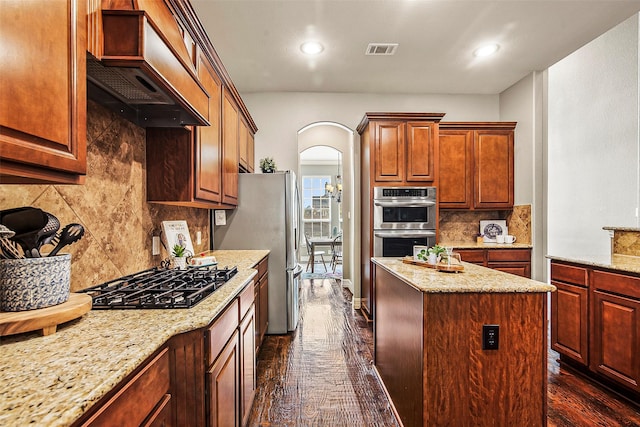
{"x": 160, "y": 288}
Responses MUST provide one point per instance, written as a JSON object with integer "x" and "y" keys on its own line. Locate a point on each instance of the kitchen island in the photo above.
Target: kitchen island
{"x": 53, "y": 380}
{"x": 429, "y": 339}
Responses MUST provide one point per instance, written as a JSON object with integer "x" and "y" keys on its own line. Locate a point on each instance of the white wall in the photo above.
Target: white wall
{"x": 279, "y": 116}
{"x": 593, "y": 143}
{"x": 522, "y": 103}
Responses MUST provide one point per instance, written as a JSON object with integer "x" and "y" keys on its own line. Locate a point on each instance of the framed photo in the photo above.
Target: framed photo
{"x": 177, "y": 233}
{"x": 491, "y": 228}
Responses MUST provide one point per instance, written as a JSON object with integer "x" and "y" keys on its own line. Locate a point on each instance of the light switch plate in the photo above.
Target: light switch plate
{"x": 220, "y": 217}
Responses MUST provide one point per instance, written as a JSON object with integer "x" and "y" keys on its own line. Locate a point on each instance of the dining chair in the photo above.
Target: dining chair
{"x": 336, "y": 252}
{"x": 313, "y": 254}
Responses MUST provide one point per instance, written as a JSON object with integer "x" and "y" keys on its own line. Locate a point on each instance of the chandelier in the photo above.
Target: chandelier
{"x": 335, "y": 191}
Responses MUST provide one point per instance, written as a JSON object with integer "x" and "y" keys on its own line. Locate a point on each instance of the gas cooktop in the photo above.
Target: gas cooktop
{"x": 160, "y": 288}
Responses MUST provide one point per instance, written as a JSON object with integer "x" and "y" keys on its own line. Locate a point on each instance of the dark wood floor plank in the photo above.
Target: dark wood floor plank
{"x": 322, "y": 375}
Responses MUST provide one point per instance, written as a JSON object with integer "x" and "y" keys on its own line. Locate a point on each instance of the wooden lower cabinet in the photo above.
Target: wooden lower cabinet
{"x": 262, "y": 301}
{"x": 186, "y": 352}
{"x": 595, "y": 324}
{"x": 247, "y": 364}
{"x": 205, "y": 377}
{"x": 143, "y": 399}
{"x": 514, "y": 261}
{"x": 223, "y": 386}
{"x": 615, "y": 345}
{"x": 569, "y": 321}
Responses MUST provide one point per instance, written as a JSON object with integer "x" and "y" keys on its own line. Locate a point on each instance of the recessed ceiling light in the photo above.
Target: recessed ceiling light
{"x": 311, "y": 48}
{"x": 486, "y": 50}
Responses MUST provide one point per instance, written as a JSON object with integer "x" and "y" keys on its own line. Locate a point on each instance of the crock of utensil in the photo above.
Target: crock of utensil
{"x": 32, "y": 283}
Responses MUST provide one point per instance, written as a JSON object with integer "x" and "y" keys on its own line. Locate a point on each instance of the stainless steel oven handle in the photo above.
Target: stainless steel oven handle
{"x": 405, "y": 204}
{"x": 385, "y": 235}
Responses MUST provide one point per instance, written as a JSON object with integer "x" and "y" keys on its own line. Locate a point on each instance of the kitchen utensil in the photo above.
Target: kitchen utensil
{"x": 23, "y": 220}
{"x": 70, "y": 233}
{"x": 46, "y": 234}
{"x": 5, "y": 233}
{"x": 32, "y": 240}
{"x": 9, "y": 249}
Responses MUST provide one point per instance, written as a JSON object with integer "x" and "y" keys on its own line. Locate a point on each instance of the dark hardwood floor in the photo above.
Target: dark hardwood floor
{"x": 322, "y": 375}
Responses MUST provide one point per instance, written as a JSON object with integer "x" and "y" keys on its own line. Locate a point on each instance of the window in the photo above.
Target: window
{"x": 316, "y": 216}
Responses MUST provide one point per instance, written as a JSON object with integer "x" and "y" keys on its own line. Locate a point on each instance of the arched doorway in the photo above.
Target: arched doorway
{"x": 341, "y": 139}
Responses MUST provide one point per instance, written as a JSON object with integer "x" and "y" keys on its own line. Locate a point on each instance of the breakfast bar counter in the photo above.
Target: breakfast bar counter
{"x": 53, "y": 380}
{"x": 466, "y": 348}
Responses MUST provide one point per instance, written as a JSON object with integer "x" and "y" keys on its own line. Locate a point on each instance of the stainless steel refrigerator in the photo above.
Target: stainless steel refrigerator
{"x": 267, "y": 217}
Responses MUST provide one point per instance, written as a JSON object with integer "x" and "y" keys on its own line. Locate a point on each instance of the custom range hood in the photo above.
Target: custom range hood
{"x": 139, "y": 66}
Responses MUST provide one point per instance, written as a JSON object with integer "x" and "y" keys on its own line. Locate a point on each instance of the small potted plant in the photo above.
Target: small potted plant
{"x": 434, "y": 252}
{"x": 179, "y": 254}
{"x": 267, "y": 165}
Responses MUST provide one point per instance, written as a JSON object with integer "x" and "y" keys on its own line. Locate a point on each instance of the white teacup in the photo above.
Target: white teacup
{"x": 509, "y": 238}
{"x": 500, "y": 238}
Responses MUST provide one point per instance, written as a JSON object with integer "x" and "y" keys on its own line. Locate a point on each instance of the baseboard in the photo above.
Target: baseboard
{"x": 347, "y": 283}
{"x": 356, "y": 303}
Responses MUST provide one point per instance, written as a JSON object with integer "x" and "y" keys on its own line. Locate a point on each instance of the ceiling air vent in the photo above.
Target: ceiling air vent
{"x": 381, "y": 48}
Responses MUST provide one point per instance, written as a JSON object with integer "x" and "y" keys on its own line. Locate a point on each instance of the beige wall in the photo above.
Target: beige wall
{"x": 111, "y": 205}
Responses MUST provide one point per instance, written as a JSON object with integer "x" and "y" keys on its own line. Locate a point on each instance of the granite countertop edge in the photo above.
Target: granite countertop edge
{"x": 53, "y": 380}
{"x": 474, "y": 279}
{"x": 621, "y": 263}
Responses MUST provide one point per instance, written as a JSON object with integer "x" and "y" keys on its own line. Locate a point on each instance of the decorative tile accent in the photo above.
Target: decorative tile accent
{"x": 111, "y": 205}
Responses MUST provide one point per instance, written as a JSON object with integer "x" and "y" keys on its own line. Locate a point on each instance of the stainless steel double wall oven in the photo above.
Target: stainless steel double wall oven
{"x": 403, "y": 217}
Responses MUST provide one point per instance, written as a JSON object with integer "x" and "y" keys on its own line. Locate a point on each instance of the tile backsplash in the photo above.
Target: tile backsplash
{"x": 111, "y": 205}
{"x": 463, "y": 226}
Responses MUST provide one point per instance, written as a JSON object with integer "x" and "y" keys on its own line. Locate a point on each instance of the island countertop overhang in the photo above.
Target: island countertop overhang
{"x": 474, "y": 279}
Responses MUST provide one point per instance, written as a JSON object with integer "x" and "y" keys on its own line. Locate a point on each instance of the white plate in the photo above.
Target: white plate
{"x": 491, "y": 228}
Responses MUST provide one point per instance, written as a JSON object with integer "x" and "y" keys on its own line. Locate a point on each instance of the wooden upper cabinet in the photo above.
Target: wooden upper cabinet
{"x": 493, "y": 158}
{"x": 230, "y": 150}
{"x": 420, "y": 146}
{"x": 43, "y": 104}
{"x": 455, "y": 188}
{"x": 401, "y": 147}
{"x": 475, "y": 162}
{"x": 251, "y": 156}
{"x": 243, "y": 148}
{"x": 389, "y": 151}
{"x": 208, "y": 140}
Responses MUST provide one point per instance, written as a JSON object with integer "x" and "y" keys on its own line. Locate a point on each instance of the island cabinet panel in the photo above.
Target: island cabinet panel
{"x": 143, "y": 399}
{"x": 398, "y": 330}
{"x": 43, "y": 106}
{"x": 429, "y": 355}
{"x": 261, "y": 290}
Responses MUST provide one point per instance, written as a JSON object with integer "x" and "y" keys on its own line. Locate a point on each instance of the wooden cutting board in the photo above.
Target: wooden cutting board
{"x": 44, "y": 319}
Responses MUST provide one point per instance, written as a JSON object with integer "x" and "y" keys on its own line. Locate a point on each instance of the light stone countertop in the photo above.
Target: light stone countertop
{"x": 475, "y": 245}
{"x": 52, "y": 380}
{"x": 622, "y": 263}
{"x": 474, "y": 278}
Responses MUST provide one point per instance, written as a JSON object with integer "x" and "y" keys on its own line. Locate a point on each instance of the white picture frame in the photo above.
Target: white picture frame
{"x": 491, "y": 228}
{"x": 177, "y": 232}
